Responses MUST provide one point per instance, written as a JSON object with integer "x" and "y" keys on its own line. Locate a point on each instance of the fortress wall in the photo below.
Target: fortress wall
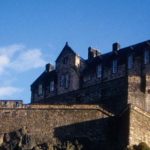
{"x": 112, "y": 95}
{"x": 47, "y": 122}
{"x": 139, "y": 128}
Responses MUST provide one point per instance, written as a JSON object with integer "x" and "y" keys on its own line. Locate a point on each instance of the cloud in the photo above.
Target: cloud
{"x": 10, "y": 50}
{"x": 4, "y": 61}
{"x": 14, "y": 59}
{"x": 27, "y": 60}
{"x": 19, "y": 58}
{"x": 9, "y": 91}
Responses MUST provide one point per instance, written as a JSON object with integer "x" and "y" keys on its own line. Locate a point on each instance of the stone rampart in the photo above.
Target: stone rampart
{"x": 50, "y": 123}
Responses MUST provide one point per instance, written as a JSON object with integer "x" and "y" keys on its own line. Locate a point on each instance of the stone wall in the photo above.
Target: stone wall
{"x": 136, "y": 96}
{"x": 139, "y": 127}
{"x": 89, "y": 124}
{"x": 139, "y": 84}
{"x": 112, "y": 95}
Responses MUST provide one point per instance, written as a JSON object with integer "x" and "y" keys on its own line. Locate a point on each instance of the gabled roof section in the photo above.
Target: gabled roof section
{"x": 66, "y": 48}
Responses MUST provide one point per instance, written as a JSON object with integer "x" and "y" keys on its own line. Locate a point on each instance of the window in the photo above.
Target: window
{"x": 146, "y": 56}
{"x": 114, "y": 66}
{"x": 130, "y": 61}
{"x": 65, "y": 60}
{"x": 99, "y": 71}
{"x": 64, "y": 81}
{"x": 40, "y": 89}
{"x": 52, "y": 86}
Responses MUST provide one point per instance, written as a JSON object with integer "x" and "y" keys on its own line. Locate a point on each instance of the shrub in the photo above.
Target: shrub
{"x": 141, "y": 146}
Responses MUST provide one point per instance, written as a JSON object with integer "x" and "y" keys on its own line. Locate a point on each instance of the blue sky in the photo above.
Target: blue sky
{"x": 33, "y": 32}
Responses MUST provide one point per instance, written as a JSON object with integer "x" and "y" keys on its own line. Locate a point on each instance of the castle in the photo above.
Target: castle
{"x": 113, "y": 80}
{"x": 102, "y": 102}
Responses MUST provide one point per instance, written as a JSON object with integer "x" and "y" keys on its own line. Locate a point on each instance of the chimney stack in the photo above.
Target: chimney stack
{"x": 49, "y": 67}
{"x": 115, "y": 47}
{"x": 92, "y": 53}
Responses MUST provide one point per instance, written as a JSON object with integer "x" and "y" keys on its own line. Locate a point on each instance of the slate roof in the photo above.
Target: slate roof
{"x": 121, "y": 55}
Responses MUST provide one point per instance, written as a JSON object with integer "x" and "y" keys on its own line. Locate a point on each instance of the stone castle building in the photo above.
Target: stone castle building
{"x": 113, "y": 80}
{"x": 102, "y": 102}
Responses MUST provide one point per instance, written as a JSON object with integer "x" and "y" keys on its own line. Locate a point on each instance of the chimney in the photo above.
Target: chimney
{"x": 115, "y": 47}
{"x": 49, "y": 67}
{"x": 92, "y": 53}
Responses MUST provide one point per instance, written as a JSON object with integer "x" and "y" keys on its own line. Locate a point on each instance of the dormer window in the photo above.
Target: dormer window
{"x": 130, "y": 61}
{"x": 114, "y": 66}
{"x": 99, "y": 71}
{"x": 52, "y": 86}
{"x": 40, "y": 89}
{"x": 146, "y": 56}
